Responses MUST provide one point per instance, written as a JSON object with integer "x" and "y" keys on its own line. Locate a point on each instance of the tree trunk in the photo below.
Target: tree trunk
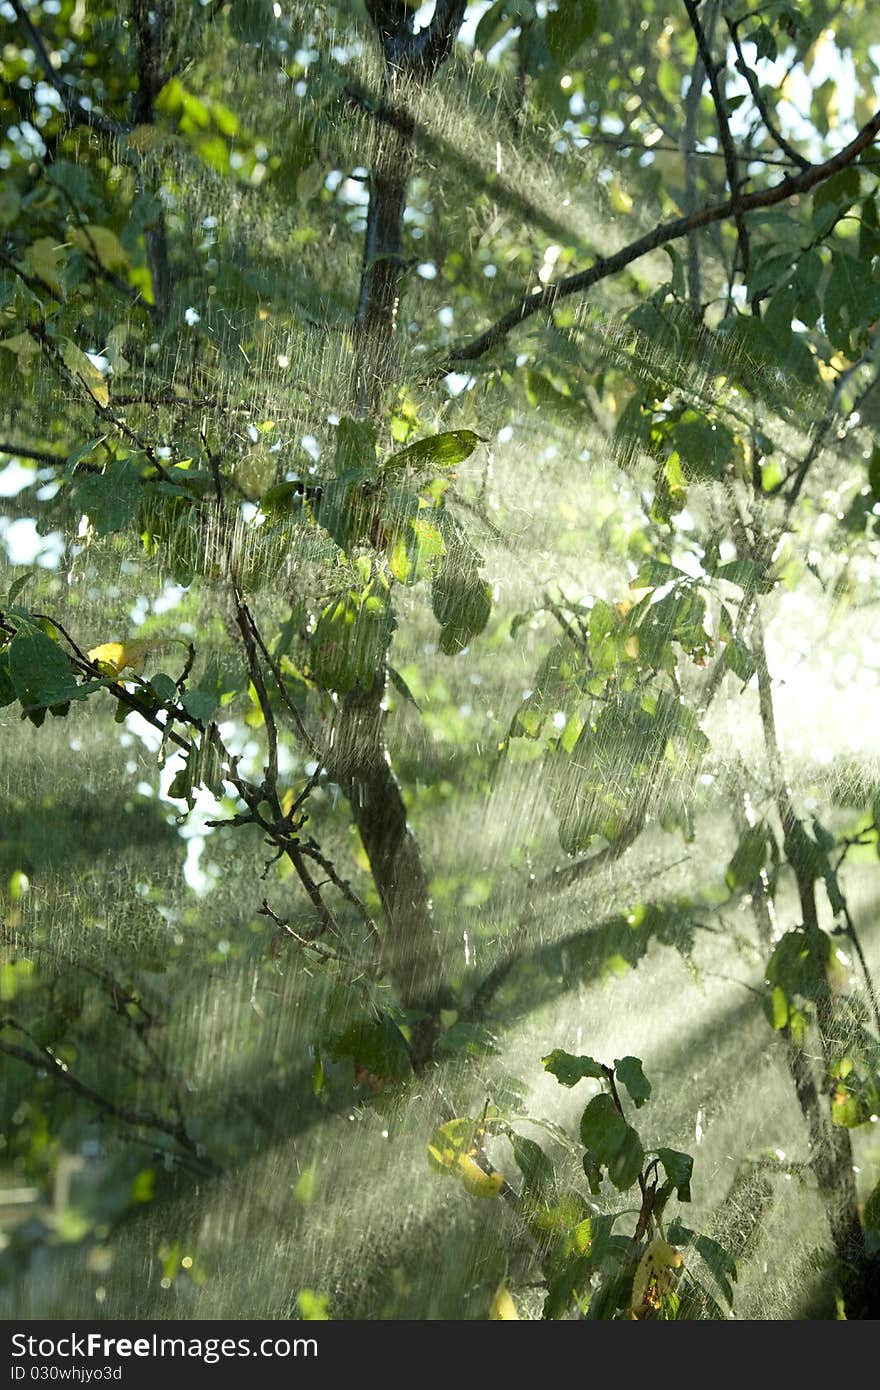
{"x": 831, "y": 1155}
{"x": 361, "y": 762}
{"x": 382, "y": 267}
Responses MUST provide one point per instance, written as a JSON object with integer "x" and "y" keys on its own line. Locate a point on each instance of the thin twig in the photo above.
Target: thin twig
{"x": 44, "y": 1060}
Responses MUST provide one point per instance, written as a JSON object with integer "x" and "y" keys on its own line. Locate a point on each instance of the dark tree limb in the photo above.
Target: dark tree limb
{"x": 36, "y": 455}
{"x": 731, "y": 160}
{"x": 418, "y": 55}
{"x": 44, "y": 1060}
{"x": 691, "y": 111}
{"x": 545, "y": 297}
{"x": 772, "y": 129}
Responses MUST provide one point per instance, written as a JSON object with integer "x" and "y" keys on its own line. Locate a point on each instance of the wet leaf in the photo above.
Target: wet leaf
{"x": 629, "y": 1071}
{"x": 612, "y": 1143}
{"x": 569, "y": 1069}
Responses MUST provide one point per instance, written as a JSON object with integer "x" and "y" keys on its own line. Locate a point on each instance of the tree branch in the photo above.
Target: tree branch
{"x": 691, "y": 110}
{"x": 772, "y": 130}
{"x": 824, "y": 426}
{"x": 37, "y": 455}
{"x": 548, "y": 296}
{"x": 45, "y": 1061}
{"x": 433, "y": 44}
{"x": 731, "y": 161}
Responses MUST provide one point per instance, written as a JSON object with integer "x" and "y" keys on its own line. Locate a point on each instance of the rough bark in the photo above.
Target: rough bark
{"x": 360, "y": 756}
{"x": 383, "y": 263}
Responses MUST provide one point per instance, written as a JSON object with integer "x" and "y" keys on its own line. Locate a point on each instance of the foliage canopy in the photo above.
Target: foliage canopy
{"x": 463, "y": 420}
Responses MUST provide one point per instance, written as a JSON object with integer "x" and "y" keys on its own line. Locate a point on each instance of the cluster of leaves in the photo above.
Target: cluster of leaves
{"x": 390, "y": 515}
{"x": 108, "y": 354}
{"x": 587, "y": 1262}
{"x": 628, "y": 742}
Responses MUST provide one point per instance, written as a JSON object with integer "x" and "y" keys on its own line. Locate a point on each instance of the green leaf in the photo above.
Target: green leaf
{"x": 539, "y": 1178}
{"x": 705, "y": 448}
{"x": 283, "y": 498}
{"x": 448, "y": 1141}
{"x": 82, "y": 367}
{"x": 568, "y": 26}
{"x": 777, "y": 317}
{"x": 751, "y": 578}
{"x": 568, "y": 1069}
{"x": 79, "y": 454}
{"x": 629, "y": 1071}
{"x": 201, "y": 768}
{"x": 749, "y": 857}
{"x": 351, "y": 638}
{"x": 40, "y": 672}
{"x": 499, "y": 18}
{"x": 563, "y": 1286}
{"x": 109, "y": 499}
{"x": 765, "y": 42}
{"x": 346, "y": 507}
{"x": 378, "y": 1046}
{"x": 164, "y": 685}
{"x": 739, "y": 659}
{"x": 355, "y": 446}
{"x": 611, "y": 1142}
{"x": 45, "y": 259}
{"x": 437, "y": 451}
{"x": 613, "y": 1294}
{"x": 798, "y": 964}
{"x": 777, "y": 1008}
{"x": 101, "y": 243}
{"x": 461, "y": 599}
{"x": 719, "y": 1262}
{"x": 199, "y": 703}
{"x": 415, "y": 542}
{"x": 851, "y": 300}
{"x": 833, "y": 197}
{"x": 612, "y": 773}
{"x": 16, "y": 587}
{"x": 401, "y": 687}
{"x": 848, "y": 1110}
{"x": 679, "y": 1169}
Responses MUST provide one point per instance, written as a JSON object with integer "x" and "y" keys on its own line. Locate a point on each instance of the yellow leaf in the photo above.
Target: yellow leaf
{"x": 76, "y": 361}
{"x": 102, "y": 243}
{"x": 618, "y": 197}
{"x": 475, "y": 1181}
{"x": 656, "y": 1275}
{"x": 503, "y": 1308}
{"x": 25, "y": 348}
{"x": 123, "y": 656}
{"x": 44, "y": 258}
